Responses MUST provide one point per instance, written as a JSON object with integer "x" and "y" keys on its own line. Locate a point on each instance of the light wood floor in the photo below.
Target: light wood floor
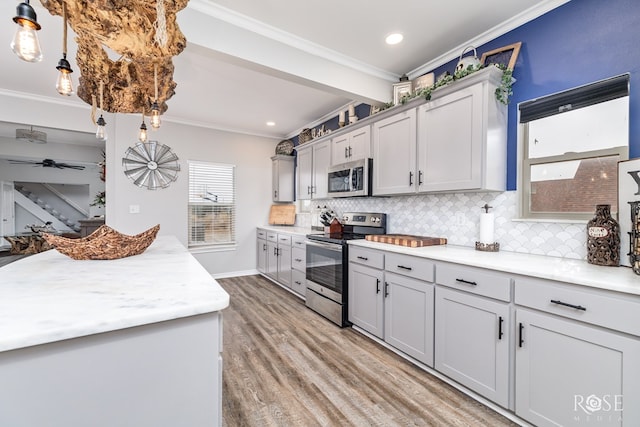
{"x": 284, "y": 365}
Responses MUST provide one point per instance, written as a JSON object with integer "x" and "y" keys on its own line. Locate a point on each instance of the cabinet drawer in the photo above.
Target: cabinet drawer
{"x": 272, "y": 236}
{"x": 298, "y": 259}
{"x": 284, "y": 239}
{"x": 478, "y": 281}
{"x": 595, "y": 306}
{"x": 418, "y": 268}
{"x": 365, "y": 256}
{"x": 298, "y": 282}
{"x": 298, "y": 241}
{"x": 262, "y": 234}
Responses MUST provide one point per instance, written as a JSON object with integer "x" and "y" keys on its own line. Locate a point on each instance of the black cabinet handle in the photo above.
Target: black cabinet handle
{"x": 364, "y": 258}
{"x": 386, "y": 289}
{"x": 467, "y": 282}
{"x": 566, "y": 304}
{"x": 298, "y": 260}
{"x": 419, "y": 177}
{"x": 346, "y": 152}
{"x": 298, "y": 283}
{"x": 275, "y": 251}
{"x": 264, "y": 246}
{"x": 377, "y": 286}
{"x": 500, "y": 333}
{"x": 349, "y": 151}
{"x": 405, "y": 268}
{"x": 410, "y": 178}
{"x": 520, "y": 340}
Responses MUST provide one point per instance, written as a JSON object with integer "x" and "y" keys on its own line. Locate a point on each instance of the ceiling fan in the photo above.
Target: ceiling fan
{"x": 47, "y": 163}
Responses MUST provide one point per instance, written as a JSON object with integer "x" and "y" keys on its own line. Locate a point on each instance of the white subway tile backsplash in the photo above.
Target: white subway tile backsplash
{"x": 456, "y": 216}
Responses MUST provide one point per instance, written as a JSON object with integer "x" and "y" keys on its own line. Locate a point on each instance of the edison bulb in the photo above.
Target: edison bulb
{"x": 64, "y": 84}
{"x": 101, "y": 132}
{"x": 155, "y": 119}
{"x": 142, "y": 136}
{"x": 25, "y": 42}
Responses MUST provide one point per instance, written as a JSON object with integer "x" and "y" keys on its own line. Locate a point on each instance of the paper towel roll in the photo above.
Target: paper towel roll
{"x": 486, "y": 227}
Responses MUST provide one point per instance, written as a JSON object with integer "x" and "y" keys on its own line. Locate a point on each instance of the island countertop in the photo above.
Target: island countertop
{"x": 49, "y": 297}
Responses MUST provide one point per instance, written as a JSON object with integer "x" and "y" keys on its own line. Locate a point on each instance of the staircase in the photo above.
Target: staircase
{"x": 42, "y": 210}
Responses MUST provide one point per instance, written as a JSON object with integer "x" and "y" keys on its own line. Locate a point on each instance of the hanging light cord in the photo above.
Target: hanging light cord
{"x": 155, "y": 80}
{"x": 101, "y": 92}
{"x": 64, "y": 31}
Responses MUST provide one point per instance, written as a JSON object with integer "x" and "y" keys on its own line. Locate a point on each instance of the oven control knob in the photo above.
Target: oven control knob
{"x": 375, "y": 219}
{"x": 345, "y": 219}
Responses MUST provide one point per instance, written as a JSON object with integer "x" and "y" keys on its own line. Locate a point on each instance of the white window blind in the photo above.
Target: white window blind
{"x": 211, "y": 204}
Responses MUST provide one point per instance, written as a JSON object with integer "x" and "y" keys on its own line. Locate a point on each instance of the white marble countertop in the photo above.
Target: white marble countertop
{"x": 290, "y": 229}
{"x": 49, "y": 297}
{"x": 619, "y": 279}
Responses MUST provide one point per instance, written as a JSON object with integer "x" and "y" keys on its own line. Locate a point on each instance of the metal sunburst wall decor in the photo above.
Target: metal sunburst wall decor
{"x": 151, "y": 164}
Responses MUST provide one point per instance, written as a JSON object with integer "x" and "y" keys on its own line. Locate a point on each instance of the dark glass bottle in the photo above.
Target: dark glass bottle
{"x": 603, "y": 238}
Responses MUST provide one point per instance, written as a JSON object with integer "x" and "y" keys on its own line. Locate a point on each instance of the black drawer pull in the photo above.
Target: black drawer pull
{"x": 405, "y": 268}
{"x": 520, "y": 340}
{"x": 467, "y": 282}
{"x": 298, "y": 283}
{"x": 377, "y": 286}
{"x": 298, "y": 260}
{"x": 386, "y": 289}
{"x": 566, "y": 304}
{"x": 364, "y": 258}
{"x": 500, "y": 333}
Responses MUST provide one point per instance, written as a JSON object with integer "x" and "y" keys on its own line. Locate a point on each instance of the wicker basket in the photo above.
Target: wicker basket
{"x": 305, "y": 136}
{"x": 104, "y": 243}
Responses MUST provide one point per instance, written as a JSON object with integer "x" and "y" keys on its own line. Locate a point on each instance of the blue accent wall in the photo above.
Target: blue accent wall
{"x": 580, "y": 42}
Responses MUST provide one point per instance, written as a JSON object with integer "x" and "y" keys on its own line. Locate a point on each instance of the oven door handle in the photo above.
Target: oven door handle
{"x": 329, "y": 246}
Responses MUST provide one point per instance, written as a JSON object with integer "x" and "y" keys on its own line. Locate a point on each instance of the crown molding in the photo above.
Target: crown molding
{"x": 67, "y": 102}
{"x": 528, "y": 15}
{"x": 330, "y": 115}
{"x": 214, "y": 10}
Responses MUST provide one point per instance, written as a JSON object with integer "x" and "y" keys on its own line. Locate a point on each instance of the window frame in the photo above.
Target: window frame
{"x": 544, "y": 107}
{"x": 210, "y": 246}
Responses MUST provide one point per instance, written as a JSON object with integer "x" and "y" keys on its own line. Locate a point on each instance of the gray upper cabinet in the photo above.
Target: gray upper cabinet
{"x": 351, "y": 146}
{"x": 462, "y": 138}
{"x": 283, "y": 178}
{"x": 313, "y": 162}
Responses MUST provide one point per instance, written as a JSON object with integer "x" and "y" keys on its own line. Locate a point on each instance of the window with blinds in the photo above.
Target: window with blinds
{"x": 211, "y": 204}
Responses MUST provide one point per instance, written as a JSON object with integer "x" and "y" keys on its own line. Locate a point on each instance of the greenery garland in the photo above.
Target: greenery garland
{"x": 503, "y": 92}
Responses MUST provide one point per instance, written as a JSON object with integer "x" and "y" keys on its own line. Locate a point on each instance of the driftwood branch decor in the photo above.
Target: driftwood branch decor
{"x": 135, "y": 30}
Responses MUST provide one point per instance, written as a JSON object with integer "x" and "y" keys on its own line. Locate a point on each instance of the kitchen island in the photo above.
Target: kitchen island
{"x": 130, "y": 342}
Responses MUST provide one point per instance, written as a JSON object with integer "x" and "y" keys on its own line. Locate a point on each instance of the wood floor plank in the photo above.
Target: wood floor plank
{"x": 285, "y": 365}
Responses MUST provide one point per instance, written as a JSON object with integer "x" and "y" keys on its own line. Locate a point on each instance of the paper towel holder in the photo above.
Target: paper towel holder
{"x": 487, "y": 247}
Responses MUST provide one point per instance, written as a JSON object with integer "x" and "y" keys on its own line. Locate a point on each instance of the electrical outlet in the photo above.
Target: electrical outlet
{"x": 134, "y": 209}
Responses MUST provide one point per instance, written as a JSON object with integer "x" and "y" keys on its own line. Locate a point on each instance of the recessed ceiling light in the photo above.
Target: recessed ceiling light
{"x": 271, "y": 123}
{"x": 394, "y": 38}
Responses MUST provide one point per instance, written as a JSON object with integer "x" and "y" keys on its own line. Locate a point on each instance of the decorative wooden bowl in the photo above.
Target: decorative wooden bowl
{"x": 104, "y": 243}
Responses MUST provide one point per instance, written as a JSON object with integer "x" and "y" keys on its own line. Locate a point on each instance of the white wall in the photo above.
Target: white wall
{"x": 167, "y": 207}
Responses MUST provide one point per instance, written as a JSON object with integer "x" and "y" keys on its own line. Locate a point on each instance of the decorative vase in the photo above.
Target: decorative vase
{"x": 603, "y": 238}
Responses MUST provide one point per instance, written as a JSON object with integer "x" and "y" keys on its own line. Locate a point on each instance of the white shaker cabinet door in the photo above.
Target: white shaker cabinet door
{"x": 568, "y": 373}
{"x": 472, "y": 342}
{"x": 366, "y": 299}
{"x": 394, "y": 154}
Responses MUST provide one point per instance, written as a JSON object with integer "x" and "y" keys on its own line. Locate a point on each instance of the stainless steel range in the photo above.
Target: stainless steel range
{"x": 327, "y": 264}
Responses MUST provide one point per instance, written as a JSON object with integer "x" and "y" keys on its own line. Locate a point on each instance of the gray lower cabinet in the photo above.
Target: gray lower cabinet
{"x": 279, "y": 258}
{"x": 298, "y": 265}
{"x": 393, "y": 307}
{"x": 408, "y": 316}
{"x": 261, "y": 250}
{"x": 472, "y": 342}
{"x": 366, "y": 298}
{"x": 572, "y": 366}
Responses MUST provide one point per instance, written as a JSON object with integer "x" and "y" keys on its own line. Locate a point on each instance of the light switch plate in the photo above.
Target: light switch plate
{"x": 134, "y": 209}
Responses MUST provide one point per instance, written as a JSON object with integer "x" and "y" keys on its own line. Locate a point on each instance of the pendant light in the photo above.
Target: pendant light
{"x": 155, "y": 109}
{"x": 142, "y": 135}
{"x": 101, "y": 132}
{"x": 64, "y": 85}
{"x": 25, "y": 42}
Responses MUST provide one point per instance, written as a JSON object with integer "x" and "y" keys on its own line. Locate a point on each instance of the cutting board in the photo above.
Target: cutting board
{"x": 406, "y": 240}
{"x": 282, "y": 215}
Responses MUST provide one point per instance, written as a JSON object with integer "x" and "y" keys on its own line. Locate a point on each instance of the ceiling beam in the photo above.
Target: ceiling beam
{"x": 267, "y": 48}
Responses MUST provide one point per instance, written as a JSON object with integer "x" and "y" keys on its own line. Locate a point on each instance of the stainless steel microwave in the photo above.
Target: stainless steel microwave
{"x": 350, "y": 179}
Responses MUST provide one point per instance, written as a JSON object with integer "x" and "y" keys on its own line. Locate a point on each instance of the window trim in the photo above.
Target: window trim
{"x": 211, "y": 246}
{"x": 571, "y": 99}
